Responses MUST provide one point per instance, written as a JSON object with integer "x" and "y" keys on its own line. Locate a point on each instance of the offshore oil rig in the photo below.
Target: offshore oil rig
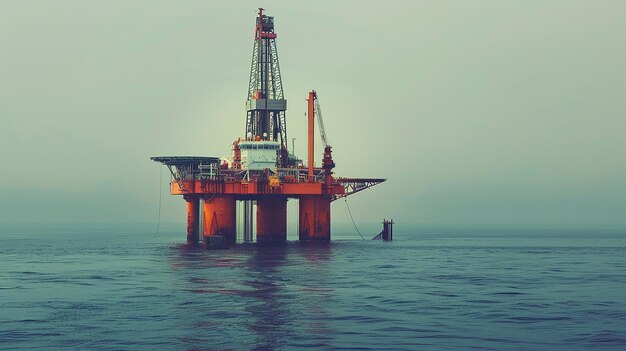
{"x": 262, "y": 172}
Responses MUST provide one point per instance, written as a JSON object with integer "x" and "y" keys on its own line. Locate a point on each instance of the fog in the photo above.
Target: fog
{"x": 477, "y": 112}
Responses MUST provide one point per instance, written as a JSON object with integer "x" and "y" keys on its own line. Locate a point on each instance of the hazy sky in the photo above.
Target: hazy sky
{"x": 475, "y": 111}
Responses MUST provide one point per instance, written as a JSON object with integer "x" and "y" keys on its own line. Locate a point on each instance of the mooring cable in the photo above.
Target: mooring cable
{"x": 350, "y": 212}
{"x": 160, "y": 198}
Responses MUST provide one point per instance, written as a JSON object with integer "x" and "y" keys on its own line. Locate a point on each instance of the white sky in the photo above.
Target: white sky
{"x": 500, "y": 112}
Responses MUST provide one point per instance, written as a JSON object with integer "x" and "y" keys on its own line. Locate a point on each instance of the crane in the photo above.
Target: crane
{"x": 327, "y": 162}
{"x": 320, "y": 121}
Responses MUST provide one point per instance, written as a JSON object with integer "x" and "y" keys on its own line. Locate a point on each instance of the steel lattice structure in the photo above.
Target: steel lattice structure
{"x": 266, "y": 103}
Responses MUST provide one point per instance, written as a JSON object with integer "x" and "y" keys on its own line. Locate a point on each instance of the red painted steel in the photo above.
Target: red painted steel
{"x": 271, "y": 219}
{"x": 311, "y": 133}
{"x": 314, "y": 215}
{"x": 258, "y": 30}
{"x": 220, "y": 218}
{"x": 236, "y": 155}
{"x": 328, "y": 164}
{"x": 251, "y": 188}
{"x": 193, "y": 216}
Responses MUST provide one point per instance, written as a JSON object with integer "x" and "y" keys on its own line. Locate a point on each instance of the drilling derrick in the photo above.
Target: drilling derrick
{"x": 266, "y": 104}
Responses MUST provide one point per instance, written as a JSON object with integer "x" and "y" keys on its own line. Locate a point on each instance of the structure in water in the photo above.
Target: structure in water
{"x": 263, "y": 172}
{"x": 387, "y": 233}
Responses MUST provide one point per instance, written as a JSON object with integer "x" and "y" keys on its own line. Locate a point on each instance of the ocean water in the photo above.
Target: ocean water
{"x": 122, "y": 288}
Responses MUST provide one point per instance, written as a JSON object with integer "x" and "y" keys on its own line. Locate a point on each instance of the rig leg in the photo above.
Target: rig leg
{"x": 220, "y": 220}
{"x": 193, "y": 216}
{"x": 314, "y": 218}
{"x": 271, "y": 219}
{"x": 387, "y": 230}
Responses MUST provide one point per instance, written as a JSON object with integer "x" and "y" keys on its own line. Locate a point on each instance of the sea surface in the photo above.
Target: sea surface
{"x": 87, "y": 287}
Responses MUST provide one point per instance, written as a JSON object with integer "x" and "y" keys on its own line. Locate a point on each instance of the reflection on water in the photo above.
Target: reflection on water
{"x": 118, "y": 291}
{"x": 269, "y": 293}
{"x": 271, "y": 310}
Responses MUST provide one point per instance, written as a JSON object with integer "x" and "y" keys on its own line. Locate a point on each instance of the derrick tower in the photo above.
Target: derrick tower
{"x": 266, "y": 104}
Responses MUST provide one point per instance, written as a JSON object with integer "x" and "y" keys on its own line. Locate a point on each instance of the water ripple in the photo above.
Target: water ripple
{"x": 456, "y": 292}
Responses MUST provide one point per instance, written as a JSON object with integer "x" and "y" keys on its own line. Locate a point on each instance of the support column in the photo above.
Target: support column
{"x": 271, "y": 219}
{"x": 247, "y": 221}
{"x": 193, "y": 216}
{"x": 387, "y": 230}
{"x": 220, "y": 219}
{"x": 314, "y": 215}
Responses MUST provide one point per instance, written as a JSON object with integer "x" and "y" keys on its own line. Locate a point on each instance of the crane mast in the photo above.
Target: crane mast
{"x": 314, "y": 110}
{"x": 266, "y": 104}
{"x": 320, "y": 121}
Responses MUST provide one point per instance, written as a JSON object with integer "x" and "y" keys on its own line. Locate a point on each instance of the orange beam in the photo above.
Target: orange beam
{"x": 311, "y": 116}
{"x": 210, "y": 188}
